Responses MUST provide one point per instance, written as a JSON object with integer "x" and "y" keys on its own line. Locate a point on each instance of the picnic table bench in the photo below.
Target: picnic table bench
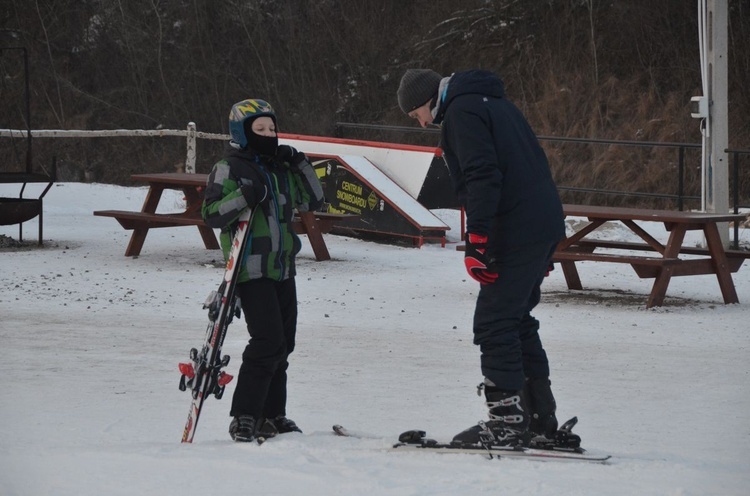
{"x": 662, "y": 261}
{"x": 312, "y": 224}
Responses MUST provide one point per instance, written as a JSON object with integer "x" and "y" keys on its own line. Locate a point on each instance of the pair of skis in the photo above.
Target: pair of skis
{"x": 203, "y": 374}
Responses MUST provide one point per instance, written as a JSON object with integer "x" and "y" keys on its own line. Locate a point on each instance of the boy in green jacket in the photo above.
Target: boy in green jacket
{"x": 256, "y": 172}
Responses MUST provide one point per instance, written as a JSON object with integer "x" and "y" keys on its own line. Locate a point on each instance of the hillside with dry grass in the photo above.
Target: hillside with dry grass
{"x": 621, "y": 70}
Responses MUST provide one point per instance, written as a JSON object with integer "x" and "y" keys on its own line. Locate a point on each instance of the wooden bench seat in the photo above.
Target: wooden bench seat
{"x": 579, "y": 256}
{"x": 624, "y": 245}
{"x": 312, "y": 224}
{"x": 645, "y": 267}
{"x": 662, "y": 260}
{"x": 132, "y": 220}
{"x": 323, "y": 221}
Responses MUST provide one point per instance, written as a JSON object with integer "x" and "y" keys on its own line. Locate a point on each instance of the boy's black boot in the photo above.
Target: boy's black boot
{"x": 269, "y": 427}
{"x": 284, "y": 424}
{"x": 242, "y": 428}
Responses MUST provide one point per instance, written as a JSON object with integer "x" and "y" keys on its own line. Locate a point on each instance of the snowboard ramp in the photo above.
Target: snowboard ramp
{"x": 354, "y": 185}
{"x": 391, "y": 187}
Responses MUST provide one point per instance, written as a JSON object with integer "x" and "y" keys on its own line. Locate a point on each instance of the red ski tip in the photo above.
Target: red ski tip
{"x": 187, "y": 370}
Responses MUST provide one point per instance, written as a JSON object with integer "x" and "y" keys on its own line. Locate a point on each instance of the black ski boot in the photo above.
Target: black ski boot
{"x": 243, "y": 428}
{"x": 266, "y": 429}
{"x": 278, "y": 425}
{"x": 508, "y": 424}
{"x": 284, "y": 425}
{"x": 543, "y": 424}
{"x": 542, "y": 406}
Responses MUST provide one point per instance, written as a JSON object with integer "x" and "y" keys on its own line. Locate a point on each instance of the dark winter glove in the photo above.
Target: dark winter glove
{"x": 477, "y": 264}
{"x": 254, "y": 193}
{"x": 550, "y": 268}
{"x": 290, "y": 155}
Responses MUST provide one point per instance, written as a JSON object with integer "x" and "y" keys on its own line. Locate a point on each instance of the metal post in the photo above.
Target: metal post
{"x": 27, "y": 98}
{"x": 736, "y": 179}
{"x": 28, "y": 109}
{"x": 715, "y": 166}
{"x": 681, "y": 178}
{"x": 191, "y": 144}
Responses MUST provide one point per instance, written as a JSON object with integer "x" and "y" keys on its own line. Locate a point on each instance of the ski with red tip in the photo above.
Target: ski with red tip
{"x": 203, "y": 374}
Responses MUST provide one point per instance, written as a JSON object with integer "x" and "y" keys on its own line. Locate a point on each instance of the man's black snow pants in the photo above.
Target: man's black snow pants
{"x": 270, "y": 310}
{"x": 504, "y": 329}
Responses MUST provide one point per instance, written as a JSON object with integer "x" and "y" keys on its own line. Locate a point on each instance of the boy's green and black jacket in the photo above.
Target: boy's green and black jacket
{"x": 273, "y": 244}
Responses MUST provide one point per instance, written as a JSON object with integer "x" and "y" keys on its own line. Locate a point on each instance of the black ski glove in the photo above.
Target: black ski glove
{"x": 255, "y": 193}
{"x": 290, "y": 155}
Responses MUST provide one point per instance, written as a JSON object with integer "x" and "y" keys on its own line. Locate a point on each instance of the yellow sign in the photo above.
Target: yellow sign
{"x": 372, "y": 200}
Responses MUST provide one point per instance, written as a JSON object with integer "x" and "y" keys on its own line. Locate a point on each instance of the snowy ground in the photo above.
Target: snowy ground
{"x": 91, "y": 339}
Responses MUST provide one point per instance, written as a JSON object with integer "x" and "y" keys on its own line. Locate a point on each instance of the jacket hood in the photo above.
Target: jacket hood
{"x": 470, "y": 82}
{"x": 232, "y": 149}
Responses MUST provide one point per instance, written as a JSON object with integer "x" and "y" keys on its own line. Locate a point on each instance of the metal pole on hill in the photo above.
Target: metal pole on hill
{"x": 713, "y": 17}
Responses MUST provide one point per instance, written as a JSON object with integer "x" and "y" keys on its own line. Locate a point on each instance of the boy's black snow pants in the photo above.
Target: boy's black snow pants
{"x": 270, "y": 310}
{"x": 504, "y": 329}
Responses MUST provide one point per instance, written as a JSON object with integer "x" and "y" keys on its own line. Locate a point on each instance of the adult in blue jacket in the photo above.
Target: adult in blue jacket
{"x": 514, "y": 220}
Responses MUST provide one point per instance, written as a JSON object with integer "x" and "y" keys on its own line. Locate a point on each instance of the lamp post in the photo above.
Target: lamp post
{"x": 27, "y": 99}
{"x": 713, "y": 107}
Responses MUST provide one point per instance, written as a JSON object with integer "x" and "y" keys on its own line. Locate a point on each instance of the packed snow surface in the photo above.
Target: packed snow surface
{"x": 91, "y": 339}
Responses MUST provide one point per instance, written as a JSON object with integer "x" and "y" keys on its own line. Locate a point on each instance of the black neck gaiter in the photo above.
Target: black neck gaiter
{"x": 264, "y": 145}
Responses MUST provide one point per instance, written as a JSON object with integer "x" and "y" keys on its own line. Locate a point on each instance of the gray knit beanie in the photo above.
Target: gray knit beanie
{"x": 417, "y": 87}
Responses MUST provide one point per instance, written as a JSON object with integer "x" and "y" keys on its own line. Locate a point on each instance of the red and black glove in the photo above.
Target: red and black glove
{"x": 478, "y": 266}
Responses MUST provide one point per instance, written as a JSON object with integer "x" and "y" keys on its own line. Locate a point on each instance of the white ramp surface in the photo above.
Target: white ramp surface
{"x": 405, "y": 165}
{"x": 393, "y": 193}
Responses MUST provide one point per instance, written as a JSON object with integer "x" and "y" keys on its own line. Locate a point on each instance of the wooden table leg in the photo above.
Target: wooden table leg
{"x": 661, "y": 282}
{"x": 593, "y": 225}
{"x": 571, "y": 275}
{"x": 193, "y": 204}
{"x": 720, "y": 263}
{"x": 136, "y": 242}
{"x": 139, "y": 234}
{"x": 41, "y": 221}
{"x": 209, "y": 239}
{"x": 314, "y": 236}
{"x": 659, "y": 289}
{"x": 152, "y": 199}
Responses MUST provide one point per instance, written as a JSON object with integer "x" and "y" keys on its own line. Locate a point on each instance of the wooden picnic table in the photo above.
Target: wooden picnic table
{"x": 313, "y": 224}
{"x": 661, "y": 261}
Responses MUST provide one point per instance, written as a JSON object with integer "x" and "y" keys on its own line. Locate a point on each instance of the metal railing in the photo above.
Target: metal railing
{"x": 679, "y": 197}
{"x": 191, "y": 135}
